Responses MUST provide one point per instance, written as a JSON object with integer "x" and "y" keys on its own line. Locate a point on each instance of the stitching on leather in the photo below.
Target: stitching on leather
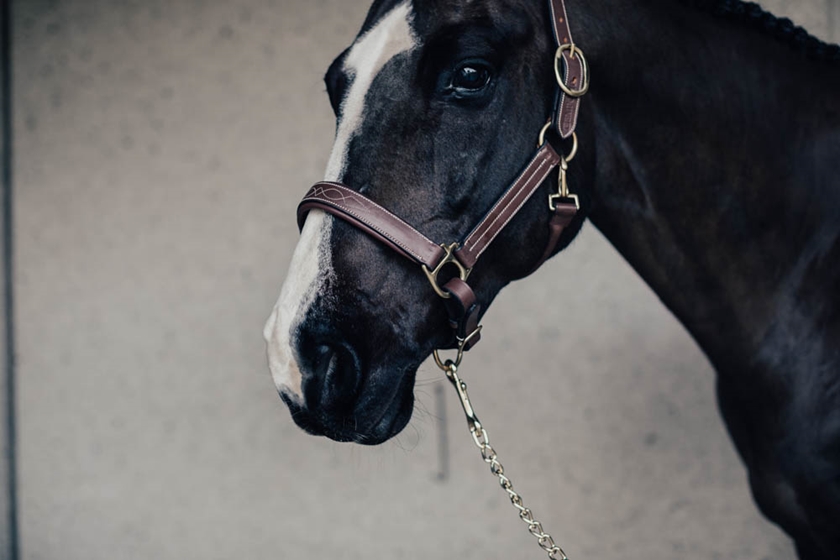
{"x": 516, "y": 210}
{"x": 469, "y": 245}
{"x": 320, "y": 193}
{"x": 501, "y": 200}
{"x": 375, "y": 228}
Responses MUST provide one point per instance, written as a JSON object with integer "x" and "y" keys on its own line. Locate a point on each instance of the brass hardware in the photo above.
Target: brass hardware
{"x": 552, "y": 200}
{"x": 562, "y": 187}
{"x": 572, "y": 154}
{"x": 462, "y": 343}
{"x": 558, "y": 56}
{"x": 461, "y": 388}
{"x": 541, "y": 141}
{"x": 448, "y": 257}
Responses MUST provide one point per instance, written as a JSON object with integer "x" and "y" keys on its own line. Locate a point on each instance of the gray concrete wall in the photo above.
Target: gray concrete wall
{"x": 161, "y": 150}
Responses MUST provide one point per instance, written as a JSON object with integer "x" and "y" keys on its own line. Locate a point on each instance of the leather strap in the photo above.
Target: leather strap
{"x": 463, "y": 310}
{"x": 367, "y": 215}
{"x": 560, "y": 22}
{"x": 534, "y": 174}
{"x": 564, "y": 213}
{"x": 565, "y": 107}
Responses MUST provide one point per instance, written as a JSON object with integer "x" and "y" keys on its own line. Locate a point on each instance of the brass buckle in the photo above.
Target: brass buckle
{"x": 449, "y": 257}
{"x": 575, "y": 51}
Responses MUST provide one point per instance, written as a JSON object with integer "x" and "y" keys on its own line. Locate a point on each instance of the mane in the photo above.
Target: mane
{"x": 783, "y": 29}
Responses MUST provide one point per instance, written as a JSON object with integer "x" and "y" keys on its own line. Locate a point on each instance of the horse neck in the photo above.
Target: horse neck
{"x": 713, "y": 160}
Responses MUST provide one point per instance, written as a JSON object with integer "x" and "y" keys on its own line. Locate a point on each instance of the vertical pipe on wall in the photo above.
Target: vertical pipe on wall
{"x": 8, "y": 476}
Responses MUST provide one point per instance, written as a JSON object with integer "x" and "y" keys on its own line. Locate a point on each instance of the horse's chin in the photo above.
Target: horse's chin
{"x": 370, "y": 423}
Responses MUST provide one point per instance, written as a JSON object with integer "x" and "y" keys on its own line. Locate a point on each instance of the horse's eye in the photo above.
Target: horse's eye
{"x": 470, "y": 77}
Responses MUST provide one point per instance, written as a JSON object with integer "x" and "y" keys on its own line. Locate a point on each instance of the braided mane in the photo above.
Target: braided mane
{"x": 783, "y": 29}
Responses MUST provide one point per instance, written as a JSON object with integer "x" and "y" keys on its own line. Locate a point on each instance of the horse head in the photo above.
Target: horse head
{"x": 439, "y": 106}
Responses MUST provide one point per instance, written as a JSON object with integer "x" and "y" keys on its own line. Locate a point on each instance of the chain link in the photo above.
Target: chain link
{"x": 482, "y": 440}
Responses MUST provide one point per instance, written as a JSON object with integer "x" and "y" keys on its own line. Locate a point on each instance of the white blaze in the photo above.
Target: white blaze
{"x": 311, "y": 262}
{"x": 388, "y": 38}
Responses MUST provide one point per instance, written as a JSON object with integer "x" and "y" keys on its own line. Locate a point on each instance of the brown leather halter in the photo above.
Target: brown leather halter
{"x": 573, "y": 82}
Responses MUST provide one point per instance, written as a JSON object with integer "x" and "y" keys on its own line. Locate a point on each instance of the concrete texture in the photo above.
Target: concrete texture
{"x": 161, "y": 150}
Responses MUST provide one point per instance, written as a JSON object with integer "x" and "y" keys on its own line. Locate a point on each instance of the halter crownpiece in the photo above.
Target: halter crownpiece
{"x": 343, "y": 202}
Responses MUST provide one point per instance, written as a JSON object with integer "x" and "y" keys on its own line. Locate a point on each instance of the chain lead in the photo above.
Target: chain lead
{"x": 482, "y": 441}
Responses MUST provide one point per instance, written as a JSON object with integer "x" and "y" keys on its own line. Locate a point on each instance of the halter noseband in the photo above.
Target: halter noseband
{"x": 573, "y": 82}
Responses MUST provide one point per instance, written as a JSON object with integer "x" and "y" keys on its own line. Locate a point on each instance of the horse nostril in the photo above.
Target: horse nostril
{"x": 322, "y": 358}
{"x": 335, "y": 377}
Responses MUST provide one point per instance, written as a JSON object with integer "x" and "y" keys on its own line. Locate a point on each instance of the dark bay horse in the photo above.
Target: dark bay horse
{"x": 709, "y": 156}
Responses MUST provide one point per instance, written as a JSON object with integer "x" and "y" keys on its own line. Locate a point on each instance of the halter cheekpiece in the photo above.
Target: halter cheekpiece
{"x": 572, "y": 75}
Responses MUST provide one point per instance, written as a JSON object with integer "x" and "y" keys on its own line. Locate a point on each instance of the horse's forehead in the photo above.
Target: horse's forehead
{"x": 390, "y": 36}
{"x": 432, "y": 14}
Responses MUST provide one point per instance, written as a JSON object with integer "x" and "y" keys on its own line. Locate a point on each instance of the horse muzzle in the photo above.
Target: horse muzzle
{"x": 340, "y": 396}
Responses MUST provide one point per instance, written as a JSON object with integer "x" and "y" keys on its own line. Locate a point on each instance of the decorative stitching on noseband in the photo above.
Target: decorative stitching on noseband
{"x": 341, "y": 196}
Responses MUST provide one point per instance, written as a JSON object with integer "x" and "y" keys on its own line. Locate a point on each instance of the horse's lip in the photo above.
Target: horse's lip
{"x": 390, "y": 424}
{"x": 392, "y": 420}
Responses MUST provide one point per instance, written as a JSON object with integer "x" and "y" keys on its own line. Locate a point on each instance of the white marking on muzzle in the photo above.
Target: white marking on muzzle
{"x": 311, "y": 263}
{"x": 302, "y": 284}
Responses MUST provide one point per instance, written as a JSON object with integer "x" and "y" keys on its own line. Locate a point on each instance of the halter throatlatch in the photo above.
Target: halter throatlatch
{"x": 572, "y": 75}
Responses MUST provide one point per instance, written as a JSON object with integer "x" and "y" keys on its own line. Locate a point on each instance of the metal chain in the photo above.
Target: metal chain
{"x": 482, "y": 440}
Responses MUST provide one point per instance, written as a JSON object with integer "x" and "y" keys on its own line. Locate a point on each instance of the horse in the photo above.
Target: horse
{"x": 706, "y": 147}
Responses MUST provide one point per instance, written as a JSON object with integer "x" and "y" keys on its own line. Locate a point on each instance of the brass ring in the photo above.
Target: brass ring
{"x": 452, "y": 365}
{"x": 558, "y": 56}
{"x": 541, "y": 141}
{"x": 572, "y": 154}
{"x": 439, "y": 361}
